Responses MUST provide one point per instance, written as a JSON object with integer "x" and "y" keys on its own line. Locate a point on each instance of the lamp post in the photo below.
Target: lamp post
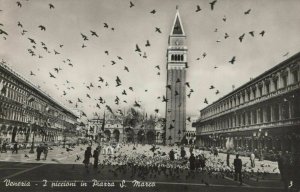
{"x": 64, "y": 139}
{"x": 259, "y": 135}
{"x": 179, "y": 133}
{"x": 32, "y": 143}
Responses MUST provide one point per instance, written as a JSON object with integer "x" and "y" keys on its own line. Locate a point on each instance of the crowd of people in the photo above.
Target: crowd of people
{"x": 150, "y": 161}
{"x": 154, "y": 160}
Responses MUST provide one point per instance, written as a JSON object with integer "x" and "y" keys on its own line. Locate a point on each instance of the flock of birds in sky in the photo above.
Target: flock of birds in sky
{"x": 141, "y": 50}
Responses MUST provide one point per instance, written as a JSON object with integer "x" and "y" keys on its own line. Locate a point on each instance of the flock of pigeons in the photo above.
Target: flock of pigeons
{"x": 39, "y": 49}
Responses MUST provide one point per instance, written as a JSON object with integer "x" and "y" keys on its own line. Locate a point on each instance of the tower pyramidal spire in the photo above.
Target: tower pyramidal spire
{"x": 177, "y": 28}
{"x": 176, "y": 79}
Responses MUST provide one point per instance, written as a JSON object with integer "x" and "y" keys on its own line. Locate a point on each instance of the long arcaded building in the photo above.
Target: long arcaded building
{"x": 27, "y": 113}
{"x": 264, "y": 113}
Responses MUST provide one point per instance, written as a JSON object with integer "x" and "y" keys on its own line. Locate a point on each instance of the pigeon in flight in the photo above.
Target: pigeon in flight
{"x": 205, "y": 101}
{"x": 94, "y": 33}
{"x": 136, "y": 104}
{"x": 212, "y": 4}
{"x": 84, "y": 37}
{"x": 198, "y": 8}
{"x": 51, "y": 75}
{"x": 19, "y": 4}
{"x": 126, "y": 69}
{"x": 187, "y": 84}
{"x": 131, "y": 4}
{"x": 19, "y": 24}
{"x": 137, "y": 49}
{"x": 153, "y": 11}
{"x": 51, "y": 6}
{"x": 147, "y": 44}
{"x": 251, "y": 33}
{"x": 262, "y": 33}
{"x": 247, "y": 12}
{"x": 157, "y": 30}
{"x": 3, "y": 32}
{"x": 232, "y": 60}
{"x": 226, "y": 35}
{"x": 43, "y": 28}
{"x": 241, "y": 37}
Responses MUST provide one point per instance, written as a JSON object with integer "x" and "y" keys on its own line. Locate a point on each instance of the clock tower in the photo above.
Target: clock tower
{"x": 176, "y": 79}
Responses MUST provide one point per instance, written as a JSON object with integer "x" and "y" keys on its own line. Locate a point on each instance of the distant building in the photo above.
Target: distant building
{"x": 113, "y": 129}
{"x": 159, "y": 130}
{"x": 262, "y": 114}
{"x": 190, "y": 132}
{"x": 94, "y": 127}
{"x": 27, "y": 113}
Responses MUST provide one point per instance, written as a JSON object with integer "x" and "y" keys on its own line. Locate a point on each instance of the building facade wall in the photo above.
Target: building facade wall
{"x": 26, "y": 111}
{"x": 263, "y": 113}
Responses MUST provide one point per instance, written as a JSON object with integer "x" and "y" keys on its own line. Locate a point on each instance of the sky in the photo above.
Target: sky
{"x": 205, "y": 31}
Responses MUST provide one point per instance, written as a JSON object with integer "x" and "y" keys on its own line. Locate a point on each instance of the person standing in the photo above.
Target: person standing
{"x": 197, "y": 163}
{"x": 182, "y": 153}
{"x": 282, "y": 166}
{"x": 228, "y": 158}
{"x": 15, "y": 148}
{"x": 191, "y": 149}
{"x": 96, "y": 157}
{"x": 252, "y": 160}
{"x": 45, "y": 150}
{"x": 4, "y": 147}
{"x": 238, "y": 168}
{"x": 172, "y": 155}
{"x": 39, "y": 151}
{"x": 192, "y": 162}
{"x": 87, "y": 156}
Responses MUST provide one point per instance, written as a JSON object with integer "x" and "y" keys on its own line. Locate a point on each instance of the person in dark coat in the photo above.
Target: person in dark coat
{"x": 39, "y": 151}
{"x": 228, "y": 159}
{"x": 284, "y": 168}
{"x": 96, "y": 157}
{"x": 172, "y": 155}
{"x": 192, "y": 162}
{"x": 238, "y": 168}
{"x": 202, "y": 161}
{"x": 15, "y": 148}
{"x": 45, "y": 151}
{"x": 4, "y": 147}
{"x": 281, "y": 159}
{"x": 182, "y": 153}
{"x": 197, "y": 162}
{"x": 87, "y": 156}
{"x": 191, "y": 149}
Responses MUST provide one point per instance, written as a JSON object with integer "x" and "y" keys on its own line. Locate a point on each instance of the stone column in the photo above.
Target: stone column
{"x": 289, "y": 76}
{"x": 291, "y": 109}
{"x": 264, "y": 110}
{"x": 258, "y": 120}
{"x": 272, "y": 112}
{"x": 280, "y": 111}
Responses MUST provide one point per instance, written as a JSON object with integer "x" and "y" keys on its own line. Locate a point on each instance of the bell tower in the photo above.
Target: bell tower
{"x": 176, "y": 79}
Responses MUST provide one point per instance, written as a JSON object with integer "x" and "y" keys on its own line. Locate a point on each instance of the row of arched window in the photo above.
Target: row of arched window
{"x": 177, "y": 57}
